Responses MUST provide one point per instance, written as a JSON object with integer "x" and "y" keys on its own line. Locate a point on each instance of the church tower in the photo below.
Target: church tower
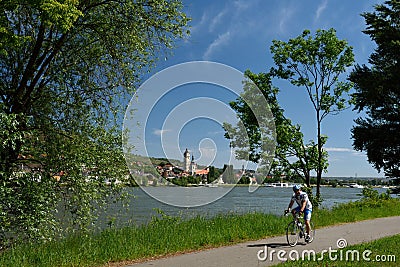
{"x": 193, "y": 167}
{"x": 186, "y": 160}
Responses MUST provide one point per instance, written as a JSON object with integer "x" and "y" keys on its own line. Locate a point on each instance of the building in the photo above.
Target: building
{"x": 189, "y": 165}
{"x": 193, "y": 167}
{"x": 186, "y": 160}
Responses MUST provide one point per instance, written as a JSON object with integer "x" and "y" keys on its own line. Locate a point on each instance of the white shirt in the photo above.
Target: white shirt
{"x": 299, "y": 199}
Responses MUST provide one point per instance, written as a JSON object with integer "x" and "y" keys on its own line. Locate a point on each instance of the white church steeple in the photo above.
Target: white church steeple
{"x": 189, "y": 165}
{"x": 193, "y": 167}
{"x": 186, "y": 160}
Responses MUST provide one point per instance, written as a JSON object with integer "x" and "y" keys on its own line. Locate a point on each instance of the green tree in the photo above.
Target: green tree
{"x": 228, "y": 176}
{"x": 293, "y": 157}
{"x": 244, "y": 180}
{"x": 67, "y": 68}
{"x": 378, "y": 92}
{"x": 213, "y": 174}
{"x": 316, "y": 63}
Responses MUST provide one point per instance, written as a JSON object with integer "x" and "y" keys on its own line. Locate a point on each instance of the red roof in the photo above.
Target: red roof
{"x": 202, "y": 172}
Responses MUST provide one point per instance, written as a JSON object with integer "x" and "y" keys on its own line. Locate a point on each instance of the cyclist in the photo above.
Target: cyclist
{"x": 304, "y": 206}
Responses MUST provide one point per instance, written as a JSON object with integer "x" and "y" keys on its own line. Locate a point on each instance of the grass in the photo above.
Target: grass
{"x": 169, "y": 235}
{"x": 383, "y": 252}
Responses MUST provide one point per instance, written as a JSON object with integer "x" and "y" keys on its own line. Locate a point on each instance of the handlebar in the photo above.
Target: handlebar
{"x": 286, "y": 212}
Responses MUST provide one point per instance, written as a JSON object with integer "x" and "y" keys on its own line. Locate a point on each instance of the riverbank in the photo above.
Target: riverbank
{"x": 166, "y": 235}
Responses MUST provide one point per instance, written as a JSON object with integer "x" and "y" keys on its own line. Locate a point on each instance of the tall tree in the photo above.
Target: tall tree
{"x": 67, "y": 68}
{"x": 315, "y": 63}
{"x": 293, "y": 156}
{"x": 378, "y": 91}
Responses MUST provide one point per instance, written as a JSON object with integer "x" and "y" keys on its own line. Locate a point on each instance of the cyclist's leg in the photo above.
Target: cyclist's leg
{"x": 307, "y": 218}
{"x": 295, "y": 210}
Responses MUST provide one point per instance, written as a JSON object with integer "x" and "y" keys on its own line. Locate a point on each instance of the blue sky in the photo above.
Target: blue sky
{"x": 239, "y": 34}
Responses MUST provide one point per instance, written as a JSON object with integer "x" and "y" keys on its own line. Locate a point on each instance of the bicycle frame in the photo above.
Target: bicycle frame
{"x": 296, "y": 230}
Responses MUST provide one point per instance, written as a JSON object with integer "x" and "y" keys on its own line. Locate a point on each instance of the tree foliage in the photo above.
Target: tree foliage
{"x": 213, "y": 174}
{"x": 378, "y": 91}
{"x": 67, "y": 68}
{"x": 293, "y": 156}
{"x": 316, "y": 63}
{"x": 228, "y": 175}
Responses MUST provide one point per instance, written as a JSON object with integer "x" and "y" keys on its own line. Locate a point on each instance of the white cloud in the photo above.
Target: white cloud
{"x": 285, "y": 16}
{"x": 241, "y": 5}
{"x": 338, "y": 149}
{"x": 207, "y": 154}
{"x": 160, "y": 132}
{"x": 217, "y": 20}
{"x": 198, "y": 26}
{"x": 222, "y": 39}
{"x": 345, "y": 150}
{"x": 232, "y": 23}
{"x": 321, "y": 9}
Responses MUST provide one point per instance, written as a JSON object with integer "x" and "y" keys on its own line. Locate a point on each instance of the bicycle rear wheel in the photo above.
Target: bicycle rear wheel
{"x": 292, "y": 234}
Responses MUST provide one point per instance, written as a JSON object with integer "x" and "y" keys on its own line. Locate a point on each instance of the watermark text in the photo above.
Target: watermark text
{"x": 339, "y": 254}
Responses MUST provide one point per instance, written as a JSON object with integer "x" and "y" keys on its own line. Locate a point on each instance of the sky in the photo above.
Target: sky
{"x": 238, "y": 35}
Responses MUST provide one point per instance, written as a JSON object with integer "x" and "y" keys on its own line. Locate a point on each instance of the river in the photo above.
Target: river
{"x": 234, "y": 200}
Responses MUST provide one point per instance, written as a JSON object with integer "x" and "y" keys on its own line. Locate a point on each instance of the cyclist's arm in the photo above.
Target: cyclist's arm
{"x": 290, "y": 204}
{"x": 303, "y": 206}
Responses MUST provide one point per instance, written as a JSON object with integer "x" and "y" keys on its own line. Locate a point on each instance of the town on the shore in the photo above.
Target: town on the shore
{"x": 163, "y": 171}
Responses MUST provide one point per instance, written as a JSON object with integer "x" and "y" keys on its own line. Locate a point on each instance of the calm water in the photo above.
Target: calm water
{"x": 238, "y": 200}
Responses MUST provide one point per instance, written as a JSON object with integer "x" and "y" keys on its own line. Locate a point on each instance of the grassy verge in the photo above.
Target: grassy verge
{"x": 169, "y": 235}
{"x": 381, "y": 252}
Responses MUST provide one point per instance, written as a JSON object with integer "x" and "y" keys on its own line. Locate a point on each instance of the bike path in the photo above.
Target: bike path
{"x": 248, "y": 254}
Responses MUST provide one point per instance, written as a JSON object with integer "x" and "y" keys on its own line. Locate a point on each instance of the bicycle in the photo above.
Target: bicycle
{"x": 296, "y": 230}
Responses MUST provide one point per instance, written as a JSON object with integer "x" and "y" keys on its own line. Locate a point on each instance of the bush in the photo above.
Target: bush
{"x": 27, "y": 208}
{"x": 371, "y": 194}
{"x": 315, "y": 201}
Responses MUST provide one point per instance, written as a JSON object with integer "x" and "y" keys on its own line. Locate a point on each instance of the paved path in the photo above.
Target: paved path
{"x": 248, "y": 254}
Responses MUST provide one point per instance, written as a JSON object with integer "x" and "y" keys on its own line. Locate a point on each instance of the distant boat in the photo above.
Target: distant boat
{"x": 355, "y": 185}
{"x": 277, "y": 185}
{"x": 211, "y": 185}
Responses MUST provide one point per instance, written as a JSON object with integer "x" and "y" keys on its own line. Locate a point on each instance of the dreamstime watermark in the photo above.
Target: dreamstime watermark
{"x": 338, "y": 254}
{"x": 175, "y": 110}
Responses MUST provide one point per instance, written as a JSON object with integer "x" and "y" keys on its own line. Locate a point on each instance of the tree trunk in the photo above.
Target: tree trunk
{"x": 319, "y": 168}
{"x": 307, "y": 176}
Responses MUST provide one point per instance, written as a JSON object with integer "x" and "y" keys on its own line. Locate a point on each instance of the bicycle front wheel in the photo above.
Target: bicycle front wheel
{"x": 292, "y": 234}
